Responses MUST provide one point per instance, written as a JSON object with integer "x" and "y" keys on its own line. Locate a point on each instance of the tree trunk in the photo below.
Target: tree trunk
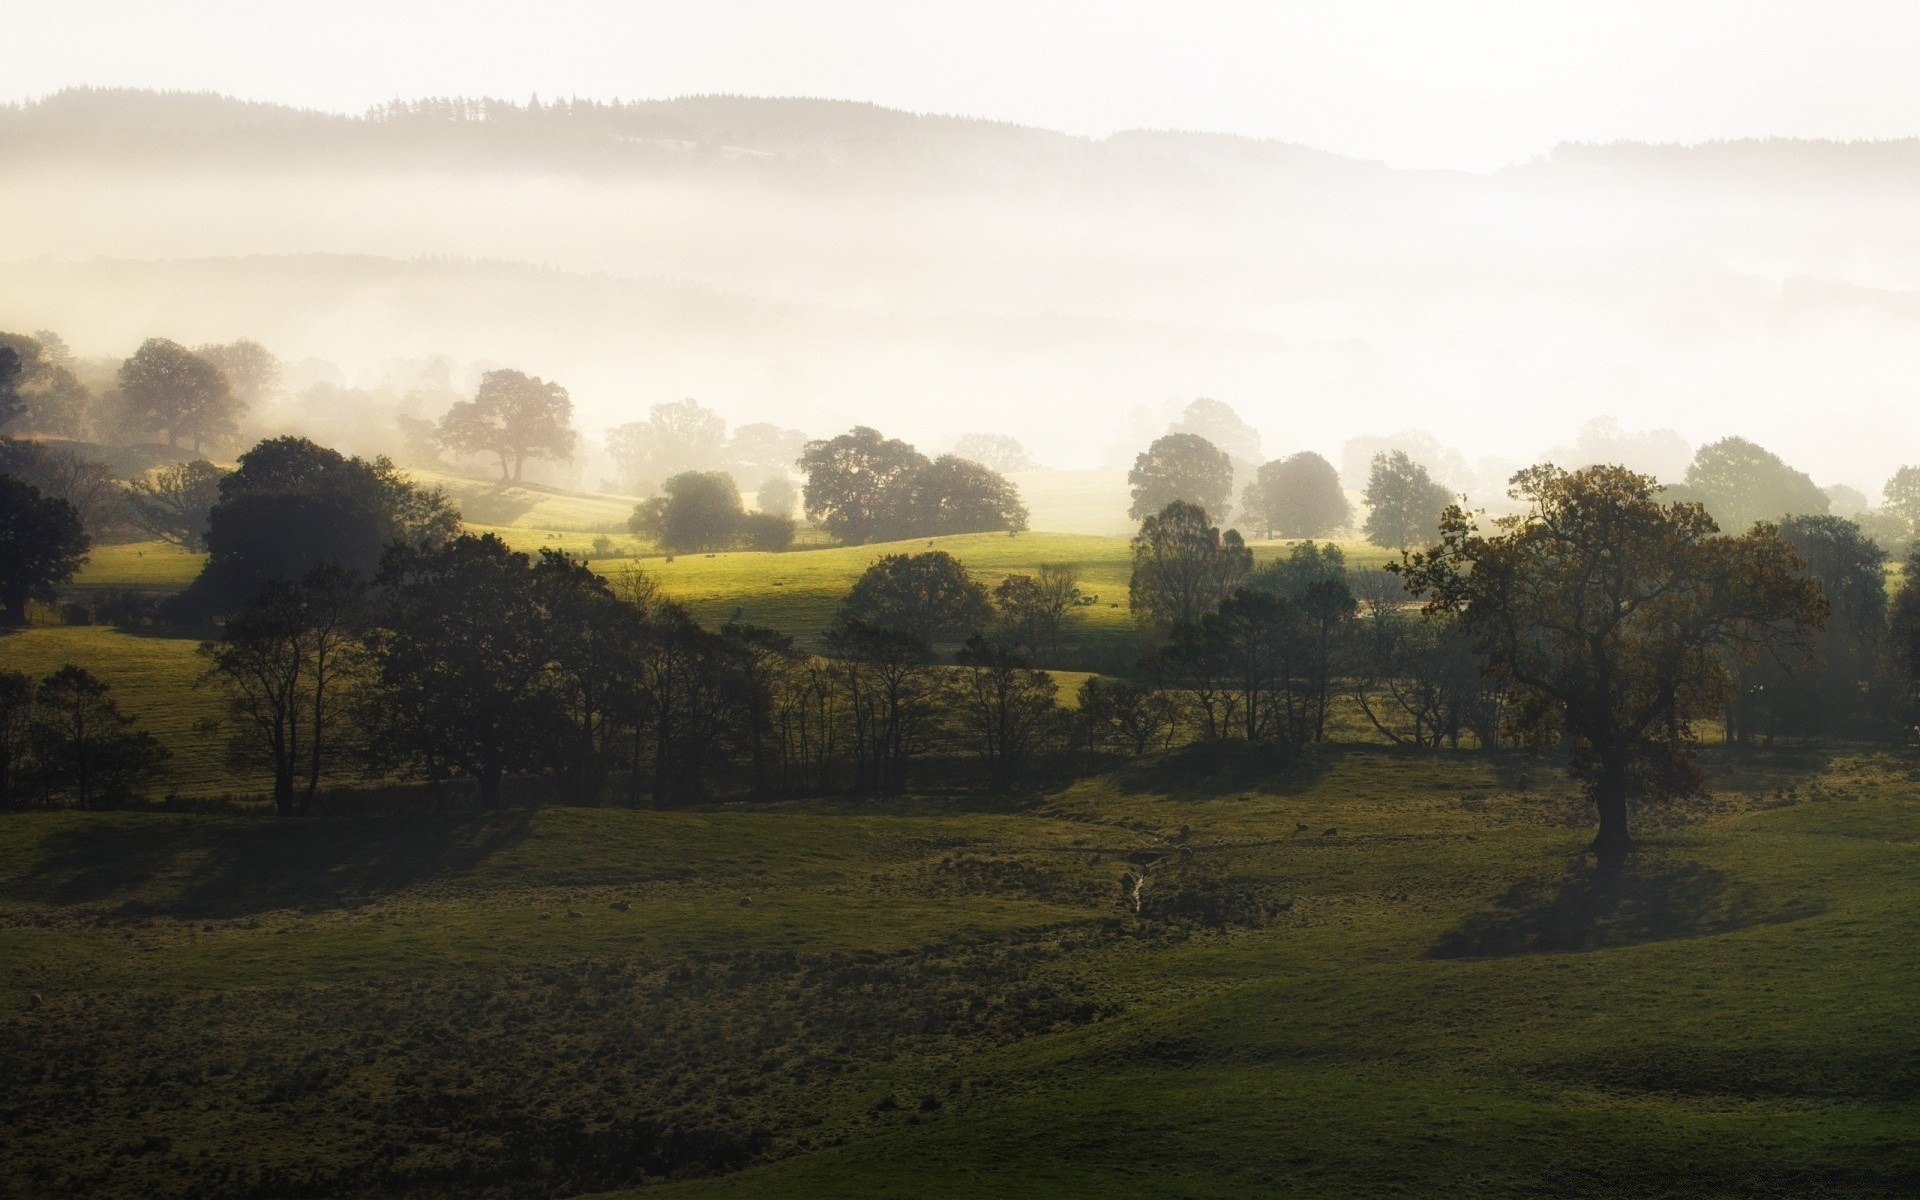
{"x": 490, "y": 786}
{"x": 283, "y": 788}
{"x": 1612, "y": 843}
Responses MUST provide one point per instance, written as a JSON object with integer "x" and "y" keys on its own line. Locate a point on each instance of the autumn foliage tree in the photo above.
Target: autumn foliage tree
{"x": 1612, "y": 618}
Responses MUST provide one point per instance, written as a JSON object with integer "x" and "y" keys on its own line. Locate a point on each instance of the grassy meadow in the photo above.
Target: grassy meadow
{"x": 1422, "y": 992}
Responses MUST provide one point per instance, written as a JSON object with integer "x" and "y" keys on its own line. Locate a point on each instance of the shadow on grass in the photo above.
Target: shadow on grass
{"x": 234, "y": 868}
{"x": 1205, "y": 770}
{"x": 1587, "y": 909}
{"x": 491, "y": 504}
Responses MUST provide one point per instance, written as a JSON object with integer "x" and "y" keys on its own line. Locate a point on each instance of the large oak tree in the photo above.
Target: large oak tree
{"x": 1613, "y": 617}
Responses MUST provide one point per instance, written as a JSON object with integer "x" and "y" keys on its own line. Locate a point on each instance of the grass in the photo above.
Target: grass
{"x": 153, "y": 565}
{"x": 155, "y": 680}
{"x": 927, "y": 999}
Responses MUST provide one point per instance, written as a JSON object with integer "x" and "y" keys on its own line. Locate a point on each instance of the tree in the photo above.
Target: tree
{"x": 859, "y": 485}
{"x": 1184, "y": 467}
{"x": 995, "y": 451}
{"x": 1220, "y": 426}
{"x": 1183, "y": 567}
{"x": 766, "y": 531}
{"x": 1741, "y": 483}
{"x": 11, "y": 371}
{"x": 286, "y": 663}
{"x": 17, "y": 690}
{"x": 954, "y": 495}
{"x": 701, "y": 510}
{"x": 1403, "y": 502}
{"x": 42, "y": 544}
{"x": 777, "y": 496}
{"x": 1847, "y": 688}
{"x": 250, "y": 369}
{"x": 760, "y": 449}
{"x": 889, "y": 689}
{"x": 292, "y": 506}
{"x": 83, "y": 745}
{"x": 681, "y": 436}
{"x": 1901, "y": 498}
{"x": 43, "y": 395}
{"x": 930, "y": 596}
{"x": 1297, "y": 497}
{"x": 60, "y": 474}
{"x": 1612, "y": 616}
{"x": 1008, "y": 705}
{"x": 173, "y": 503}
{"x": 1033, "y": 608}
{"x": 1116, "y": 710}
{"x": 460, "y": 662}
{"x": 514, "y": 417}
{"x": 166, "y": 388}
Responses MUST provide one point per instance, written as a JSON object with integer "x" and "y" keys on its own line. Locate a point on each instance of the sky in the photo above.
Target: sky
{"x": 1468, "y": 85}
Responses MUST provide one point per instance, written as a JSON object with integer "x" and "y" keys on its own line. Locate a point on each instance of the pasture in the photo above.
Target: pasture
{"x": 938, "y": 997}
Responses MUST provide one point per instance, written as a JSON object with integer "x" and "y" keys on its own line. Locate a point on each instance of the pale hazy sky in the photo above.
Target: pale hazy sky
{"x": 1470, "y": 85}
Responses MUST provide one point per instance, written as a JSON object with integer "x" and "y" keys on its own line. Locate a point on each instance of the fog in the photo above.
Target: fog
{"x": 820, "y": 265}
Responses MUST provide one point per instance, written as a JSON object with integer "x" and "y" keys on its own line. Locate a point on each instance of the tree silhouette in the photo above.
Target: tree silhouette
{"x": 1403, "y": 502}
{"x": 515, "y": 417}
{"x": 42, "y": 543}
{"x": 1612, "y": 616}
{"x": 1183, "y": 566}
{"x": 167, "y": 388}
{"x": 1297, "y": 497}
{"x": 1184, "y": 467}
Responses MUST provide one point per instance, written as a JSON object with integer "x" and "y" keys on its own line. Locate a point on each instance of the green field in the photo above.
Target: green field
{"x": 929, "y": 999}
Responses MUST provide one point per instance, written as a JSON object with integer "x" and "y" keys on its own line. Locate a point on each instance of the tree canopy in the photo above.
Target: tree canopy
{"x": 1612, "y": 617}
{"x": 42, "y": 543}
{"x": 1296, "y": 497}
{"x": 293, "y": 505}
{"x": 1183, "y": 467}
{"x": 1741, "y": 483}
{"x": 1403, "y": 502}
{"x": 864, "y": 487}
{"x": 168, "y": 389}
{"x": 931, "y": 597}
{"x": 1221, "y": 426}
{"x": 515, "y": 417}
{"x": 698, "y": 510}
{"x": 1183, "y": 566}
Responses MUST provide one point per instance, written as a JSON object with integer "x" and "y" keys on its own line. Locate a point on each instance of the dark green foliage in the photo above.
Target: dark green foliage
{"x": 289, "y": 662}
{"x": 11, "y": 370}
{"x": 1185, "y": 468}
{"x": 931, "y": 597}
{"x": 1847, "y": 687}
{"x": 1612, "y": 617}
{"x": 42, "y": 543}
{"x": 954, "y": 495}
{"x": 173, "y": 503}
{"x": 700, "y": 510}
{"x": 1033, "y": 608}
{"x": 767, "y": 531}
{"x": 1183, "y": 566}
{"x": 460, "y": 664}
{"x": 84, "y": 749}
{"x": 1006, "y": 705}
{"x": 293, "y": 506}
{"x": 1296, "y": 497}
{"x": 1403, "y": 502}
{"x": 17, "y": 690}
{"x": 1741, "y": 483}
{"x": 862, "y": 487}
